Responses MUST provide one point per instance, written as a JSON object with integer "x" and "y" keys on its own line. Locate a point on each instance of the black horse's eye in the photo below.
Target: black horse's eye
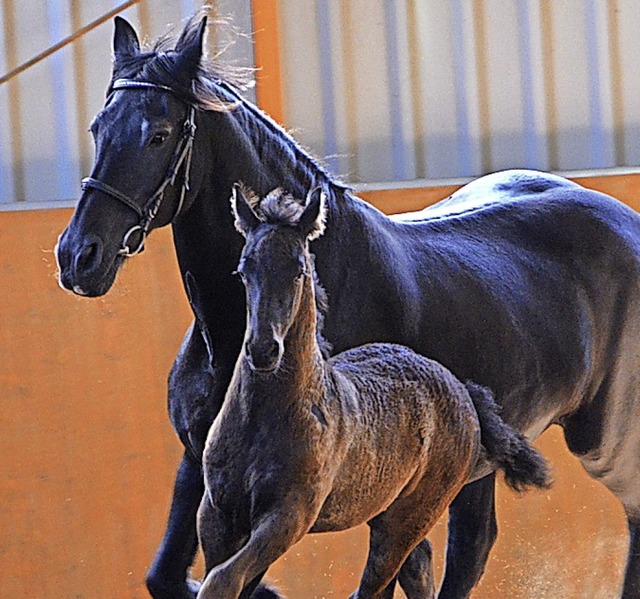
{"x": 159, "y": 138}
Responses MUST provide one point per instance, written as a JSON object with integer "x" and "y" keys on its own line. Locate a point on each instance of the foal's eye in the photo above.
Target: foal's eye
{"x": 159, "y": 138}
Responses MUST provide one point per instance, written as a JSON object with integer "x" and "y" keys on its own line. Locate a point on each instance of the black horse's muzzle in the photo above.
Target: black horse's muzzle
{"x": 83, "y": 266}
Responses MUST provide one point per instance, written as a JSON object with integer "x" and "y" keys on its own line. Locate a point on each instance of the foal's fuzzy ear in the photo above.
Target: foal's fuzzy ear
{"x": 190, "y": 48}
{"x": 312, "y": 219}
{"x": 245, "y": 217}
{"x": 125, "y": 39}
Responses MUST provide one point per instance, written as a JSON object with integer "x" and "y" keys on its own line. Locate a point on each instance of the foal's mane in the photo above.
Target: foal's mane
{"x": 279, "y": 207}
{"x": 217, "y": 87}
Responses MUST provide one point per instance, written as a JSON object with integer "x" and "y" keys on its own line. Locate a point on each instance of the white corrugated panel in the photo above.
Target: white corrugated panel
{"x": 380, "y": 89}
{"x": 45, "y": 111}
{"x": 432, "y": 88}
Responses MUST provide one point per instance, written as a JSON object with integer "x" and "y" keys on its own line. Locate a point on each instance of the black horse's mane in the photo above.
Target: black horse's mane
{"x": 218, "y": 86}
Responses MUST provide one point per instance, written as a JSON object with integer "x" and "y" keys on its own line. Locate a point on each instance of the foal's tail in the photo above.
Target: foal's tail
{"x": 508, "y": 449}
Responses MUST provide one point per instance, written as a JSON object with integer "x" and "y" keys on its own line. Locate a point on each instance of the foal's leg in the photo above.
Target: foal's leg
{"x": 166, "y": 578}
{"x": 389, "y": 547}
{"x": 272, "y": 535}
{"x": 416, "y": 574}
{"x": 397, "y": 533}
{"x": 472, "y": 533}
{"x": 217, "y": 540}
{"x": 219, "y": 543}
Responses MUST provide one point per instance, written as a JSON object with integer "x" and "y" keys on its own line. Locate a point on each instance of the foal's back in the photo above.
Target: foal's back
{"x": 409, "y": 420}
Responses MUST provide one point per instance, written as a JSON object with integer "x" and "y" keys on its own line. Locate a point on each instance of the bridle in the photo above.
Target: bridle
{"x": 181, "y": 155}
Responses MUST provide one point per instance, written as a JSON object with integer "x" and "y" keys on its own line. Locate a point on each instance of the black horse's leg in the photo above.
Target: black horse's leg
{"x": 631, "y": 589}
{"x": 472, "y": 533}
{"x": 416, "y": 574}
{"x": 167, "y": 577}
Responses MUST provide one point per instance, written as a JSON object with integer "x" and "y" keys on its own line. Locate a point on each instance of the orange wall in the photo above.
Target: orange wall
{"x": 88, "y": 455}
{"x": 87, "y": 450}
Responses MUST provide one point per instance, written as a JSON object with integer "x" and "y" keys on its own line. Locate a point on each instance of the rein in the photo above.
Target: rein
{"x": 181, "y": 156}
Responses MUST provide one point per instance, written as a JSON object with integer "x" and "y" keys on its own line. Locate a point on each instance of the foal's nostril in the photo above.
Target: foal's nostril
{"x": 274, "y": 351}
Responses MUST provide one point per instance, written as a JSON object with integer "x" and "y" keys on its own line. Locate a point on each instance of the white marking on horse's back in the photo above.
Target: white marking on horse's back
{"x": 496, "y": 188}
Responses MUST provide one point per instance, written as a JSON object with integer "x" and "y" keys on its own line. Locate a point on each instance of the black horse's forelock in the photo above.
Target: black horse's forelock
{"x": 158, "y": 63}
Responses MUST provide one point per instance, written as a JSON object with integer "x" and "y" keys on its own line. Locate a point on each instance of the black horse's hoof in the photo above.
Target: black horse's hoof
{"x": 265, "y": 592}
{"x": 186, "y": 590}
{"x": 194, "y": 587}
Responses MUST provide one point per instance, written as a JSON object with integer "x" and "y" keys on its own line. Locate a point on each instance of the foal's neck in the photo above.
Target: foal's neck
{"x": 302, "y": 354}
{"x": 300, "y": 376}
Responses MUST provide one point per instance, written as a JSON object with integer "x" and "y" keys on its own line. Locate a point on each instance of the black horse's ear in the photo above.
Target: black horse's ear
{"x": 245, "y": 217}
{"x": 312, "y": 219}
{"x": 190, "y": 48}
{"x": 125, "y": 39}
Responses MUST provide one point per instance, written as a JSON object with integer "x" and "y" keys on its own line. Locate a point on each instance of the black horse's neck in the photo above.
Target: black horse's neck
{"x": 281, "y": 162}
{"x": 243, "y": 144}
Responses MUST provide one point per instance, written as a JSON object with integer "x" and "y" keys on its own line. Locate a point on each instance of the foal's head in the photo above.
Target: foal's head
{"x": 274, "y": 266}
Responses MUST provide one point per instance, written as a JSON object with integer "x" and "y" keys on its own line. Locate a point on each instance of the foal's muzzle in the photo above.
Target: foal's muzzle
{"x": 264, "y": 357}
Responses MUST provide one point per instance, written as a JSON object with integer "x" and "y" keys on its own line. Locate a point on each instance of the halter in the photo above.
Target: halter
{"x": 182, "y": 155}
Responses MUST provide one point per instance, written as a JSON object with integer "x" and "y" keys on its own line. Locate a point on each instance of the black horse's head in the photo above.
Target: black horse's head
{"x": 274, "y": 265}
{"x": 144, "y": 139}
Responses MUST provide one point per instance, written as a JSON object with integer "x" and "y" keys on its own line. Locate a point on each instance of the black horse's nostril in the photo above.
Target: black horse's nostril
{"x": 89, "y": 257}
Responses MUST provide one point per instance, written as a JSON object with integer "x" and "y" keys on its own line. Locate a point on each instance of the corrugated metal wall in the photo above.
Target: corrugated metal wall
{"x": 407, "y": 89}
{"x": 384, "y": 90}
{"x": 45, "y": 148}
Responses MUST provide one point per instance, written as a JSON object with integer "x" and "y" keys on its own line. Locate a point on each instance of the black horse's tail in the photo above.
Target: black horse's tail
{"x": 509, "y": 450}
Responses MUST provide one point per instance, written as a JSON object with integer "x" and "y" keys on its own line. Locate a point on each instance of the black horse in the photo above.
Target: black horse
{"x": 524, "y": 282}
